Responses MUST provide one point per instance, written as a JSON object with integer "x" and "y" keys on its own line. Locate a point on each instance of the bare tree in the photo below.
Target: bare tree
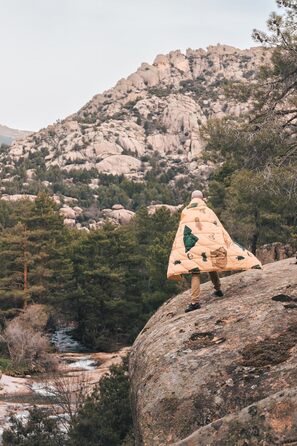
{"x": 67, "y": 394}
{"x": 26, "y": 346}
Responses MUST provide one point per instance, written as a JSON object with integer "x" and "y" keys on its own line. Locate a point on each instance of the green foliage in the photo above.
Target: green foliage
{"x": 5, "y": 364}
{"x": 32, "y": 247}
{"x": 253, "y": 210}
{"x": 243, "y": 145}
{"x": 118, "y": 273}
{"x": 111, "y": 188}
{"x": 254, "y": 189}
{"x": 133, "y": 195}
{"x": 160, "y": 92}
{"x": 193, "y": 86}
{"x": 108, "y": 281}
{"x": 39, "y": 430}
{"x": 105, "y": 419}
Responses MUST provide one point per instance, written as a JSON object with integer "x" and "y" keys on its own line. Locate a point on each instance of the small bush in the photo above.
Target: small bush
{"x": 39, "y": 430}
{"x": 5, "y": 364}
{"x": 28, "y": 348}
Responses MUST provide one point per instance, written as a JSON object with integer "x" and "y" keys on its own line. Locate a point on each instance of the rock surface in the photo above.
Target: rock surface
{"x": 271, "y": 421}
{"x": 153, "y": 208}
{"x": 223, "y": 375}
{"x": 121, "y": 215}
{"x": 274, "y": 251}
{"x": 16, "y": 393}
{"x": 157, "y": 111}
{"x": 117, "y": 215}
{"x": 7, "y": 134}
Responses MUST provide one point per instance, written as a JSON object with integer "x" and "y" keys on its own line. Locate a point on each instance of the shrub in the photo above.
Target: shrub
{"x": 39, "y": 430}
{"x": 5, "y": 364}
{"x": 160, "y": 92}
{"x": 28, "y": 348}
{"x": 105, "y": 419}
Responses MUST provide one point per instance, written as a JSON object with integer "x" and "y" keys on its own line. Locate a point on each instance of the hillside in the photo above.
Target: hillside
{"x": 154, "y": 114}
{"x": 225, "y": 374}
{"x": 8, "y": 135}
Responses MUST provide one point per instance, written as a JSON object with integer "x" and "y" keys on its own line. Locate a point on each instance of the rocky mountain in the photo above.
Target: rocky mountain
{"x": 8, "y": 135}
{"x": 157, "y": 112}
{"x": 223, "y": 375}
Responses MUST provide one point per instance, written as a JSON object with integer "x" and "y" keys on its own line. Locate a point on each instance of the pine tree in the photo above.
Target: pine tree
{"x": 105, "y": 419}
{"x": 35, "y": 263}
{"x": 51, "y": 271}
{"x": 16, "y": 260}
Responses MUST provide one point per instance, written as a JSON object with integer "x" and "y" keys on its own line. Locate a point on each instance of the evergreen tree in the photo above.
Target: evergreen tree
{"x": 51, "y": 271}
{"x": 105, "y": 270}
{"x": 105, "y": 419}
{"x": 16, "y": 259}
{"x": 254, "y": 189}
{"x": 39, "y": 430}
{"x": 33, "y": 250}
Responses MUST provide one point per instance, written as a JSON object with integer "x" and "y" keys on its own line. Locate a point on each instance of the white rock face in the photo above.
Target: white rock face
{"x": 68, "y": 213}
{"x": 70, "y": 200}
{"x": 78, "y": 210}
{"x": 156, "y": 111}
{"x": 197, "y": 146}
{"x": 131, "y": 145}
{"x": 181, "y": 114}
{"x": 118, "y": 214}
{"x": 118, "y": 165}
{"x": 155, "y": 207}
{"x": 30, "y": 174}
{"x": 123, "y": 216}
{"x": 18, "y": 197}
{"x": 164, "y": 143}
{"x": 103, "y": 148}
{"x": 70, "y": 222}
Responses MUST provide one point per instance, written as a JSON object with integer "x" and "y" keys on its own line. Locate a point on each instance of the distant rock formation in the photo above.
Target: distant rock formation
{"x": 157, "y": 111}
{"x": 70, "y": 212}
{"x": 8, "y": 135}
{"x": 223, "y": 375}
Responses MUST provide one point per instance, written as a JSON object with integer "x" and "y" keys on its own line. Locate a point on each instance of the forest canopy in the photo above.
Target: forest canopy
{"x": 254, "y": 188}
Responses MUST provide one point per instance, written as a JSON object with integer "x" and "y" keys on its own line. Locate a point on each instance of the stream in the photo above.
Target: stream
{"x": 76, "y": 365}
{"x": 65, "y": 343}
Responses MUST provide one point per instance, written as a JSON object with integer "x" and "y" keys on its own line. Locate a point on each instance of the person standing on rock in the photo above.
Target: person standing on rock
{"x": 203, "y": 245}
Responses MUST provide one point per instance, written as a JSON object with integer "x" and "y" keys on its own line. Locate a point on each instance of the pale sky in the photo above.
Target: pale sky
{"x": 56, "y": 54}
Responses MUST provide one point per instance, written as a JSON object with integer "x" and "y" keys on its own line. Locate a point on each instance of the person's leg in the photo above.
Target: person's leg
{"x": 195, "y": 293}
{"x": 195, "y": 288}
{"x": 214, "y": 277}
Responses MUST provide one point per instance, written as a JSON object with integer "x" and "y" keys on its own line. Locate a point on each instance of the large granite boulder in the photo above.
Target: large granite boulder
{"x": 274, "y": 251}
{"x": 153, "y": 208}
{"x": 118, "y": 165}
{"x": 118, "y": 214}
{"x": 270, "y": 421}
{"x": 223, "y": 375}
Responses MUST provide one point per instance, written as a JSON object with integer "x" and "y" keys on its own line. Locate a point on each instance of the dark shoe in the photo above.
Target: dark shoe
{"x": 192, "y": 307}
{"x": 218, "y": 293}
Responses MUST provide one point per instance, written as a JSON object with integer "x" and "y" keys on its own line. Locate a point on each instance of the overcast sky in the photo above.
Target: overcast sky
{"x": 56, "y": 54}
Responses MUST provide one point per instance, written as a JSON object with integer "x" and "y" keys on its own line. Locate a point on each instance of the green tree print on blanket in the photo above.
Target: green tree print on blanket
{"x": 190, "y": 239}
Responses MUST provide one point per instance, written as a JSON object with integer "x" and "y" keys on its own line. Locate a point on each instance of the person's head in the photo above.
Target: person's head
{"x": 197, "y": 194}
